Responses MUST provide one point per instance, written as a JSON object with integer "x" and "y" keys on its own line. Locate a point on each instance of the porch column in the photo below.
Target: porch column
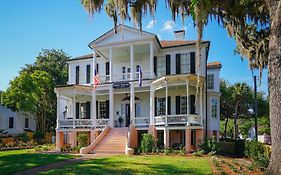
{"x": 74, "y": 105}
{"x": 94, "y": 108}
{"x": 58, "y": 109}
{"x": 166, "y": 138}
{"x": 94, "y": 65}
{"x": 132, "y": 103}
{"x": 73, "y": 138}
{"x": 187, "y": 98}
{"x": 132, "y": 61}
{"x": 187, "y": 140}
{"x": 151, "y": 61}
{"x": 59, "y": 140}
{"x": 166, "y": 100}
{"x": 152, "y": 105}
{"x": 199, "y": 137}
{"x": 110, "y": 64}
{"x": 111, "y": 107}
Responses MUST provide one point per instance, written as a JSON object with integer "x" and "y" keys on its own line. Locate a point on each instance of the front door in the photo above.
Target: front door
{"x": 128, "y": 118}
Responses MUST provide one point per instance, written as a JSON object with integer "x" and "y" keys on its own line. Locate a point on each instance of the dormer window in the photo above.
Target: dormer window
{"x": 210, "y": 81}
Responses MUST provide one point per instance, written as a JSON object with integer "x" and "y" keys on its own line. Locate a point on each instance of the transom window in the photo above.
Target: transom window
{"x": 210, "y": 81}
{"x": 185, "y": 63}
{"x": 161, "y": 66}
{"x": 161, "y": 108}
{"x": 183, "y": 105}
{"x": 214, "y": 107}
{"x": 102, "y": 109}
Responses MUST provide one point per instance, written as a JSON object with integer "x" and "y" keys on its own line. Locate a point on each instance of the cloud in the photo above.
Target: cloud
{"x": 168, "y": 26}
{"x": 151, "y": 24}
{"x": 159, "y": 36}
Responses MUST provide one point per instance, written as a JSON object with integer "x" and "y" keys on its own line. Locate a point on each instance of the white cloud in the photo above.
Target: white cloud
{"x": 159, "y": 36}
{"x": 168, "y": 26}
{"x": 151, "y": 24}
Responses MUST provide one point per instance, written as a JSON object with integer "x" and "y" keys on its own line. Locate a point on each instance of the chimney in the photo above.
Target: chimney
{"x": 179, "y": 34}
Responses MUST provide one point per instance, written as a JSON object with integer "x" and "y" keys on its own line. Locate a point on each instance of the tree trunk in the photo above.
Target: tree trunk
{"x": 225, "y": 126}
{"x": 235, "y": 120}
{"x": 274, "y": 82}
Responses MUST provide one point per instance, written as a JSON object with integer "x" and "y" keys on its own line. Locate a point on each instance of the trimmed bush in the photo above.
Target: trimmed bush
{"x": 147, "y": 143}
{"x": 210, "y": 145}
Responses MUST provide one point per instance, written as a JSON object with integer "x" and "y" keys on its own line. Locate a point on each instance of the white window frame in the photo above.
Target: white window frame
{"x": 185, "y": 63}
{"x": 161, "y": 66}
{"x": 161, "y": 106}
{"x": 183, "y": 104}
{"x": 214, "y": 108}
{"x": 102, "y": 109}
{"x": 210, "y": 81}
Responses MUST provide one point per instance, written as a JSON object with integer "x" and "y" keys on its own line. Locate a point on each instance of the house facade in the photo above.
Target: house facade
{"x": 15, "y": 122}
{"x": 145, "y": 86}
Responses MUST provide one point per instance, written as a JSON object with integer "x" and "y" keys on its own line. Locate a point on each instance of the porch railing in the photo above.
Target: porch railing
{"x": 124, "y": 76}
{"x": 142, "y": 122}
{"x": 75, "y": 123}
{"x": 174, "y": 120}
{"x": 102, "y": 123}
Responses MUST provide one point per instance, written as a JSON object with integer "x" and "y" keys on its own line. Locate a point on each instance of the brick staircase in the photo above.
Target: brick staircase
{"x": 113, "y": 142}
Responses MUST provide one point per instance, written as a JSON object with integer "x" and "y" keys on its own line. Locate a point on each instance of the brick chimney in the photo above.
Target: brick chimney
{"x": 179, "y": 34}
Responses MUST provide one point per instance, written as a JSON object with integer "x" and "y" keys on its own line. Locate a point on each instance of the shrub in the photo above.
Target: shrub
{"x": 198, "y": 153}
{"x": 147, "y": 143}
{"x": 210, "y": 145}
{"x": 38, "y": 136}
{"x": 82, "y": 139}
{"x": 22, "y": 137}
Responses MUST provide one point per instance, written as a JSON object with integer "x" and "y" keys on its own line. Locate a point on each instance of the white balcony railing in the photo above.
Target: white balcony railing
{"x": 174, "y": 120}
{"x": 142, "y": 122}
{"x": 124, "y": 76}
{"x": 102, "y": 123}
{"x": 75, "y": 123}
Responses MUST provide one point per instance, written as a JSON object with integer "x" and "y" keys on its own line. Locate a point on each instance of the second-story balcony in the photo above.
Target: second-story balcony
{"x": 178, "y": 120}
{"x": 124, "y": 77}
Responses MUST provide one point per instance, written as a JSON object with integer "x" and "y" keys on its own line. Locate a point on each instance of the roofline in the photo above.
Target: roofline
{"x": 181, "y": 45}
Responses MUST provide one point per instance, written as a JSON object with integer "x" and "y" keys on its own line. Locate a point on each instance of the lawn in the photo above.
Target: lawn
{"x": 123, "y": 164}
{"x": 19, "y": 160}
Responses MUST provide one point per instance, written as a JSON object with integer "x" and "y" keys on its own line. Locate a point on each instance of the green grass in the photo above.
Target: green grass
{"x": 123, "y": 164}
{"x": 19, "y": 160}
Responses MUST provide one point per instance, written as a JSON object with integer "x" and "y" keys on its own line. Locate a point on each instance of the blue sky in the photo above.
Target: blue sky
{"x": 28, "y": 26}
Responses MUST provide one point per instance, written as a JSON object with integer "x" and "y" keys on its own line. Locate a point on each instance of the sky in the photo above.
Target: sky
{"x": 27, "y": 27}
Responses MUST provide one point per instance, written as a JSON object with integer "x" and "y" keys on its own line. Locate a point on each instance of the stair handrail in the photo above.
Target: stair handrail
{"x": 86, "y": 150}
{"x": 128, "y": 143}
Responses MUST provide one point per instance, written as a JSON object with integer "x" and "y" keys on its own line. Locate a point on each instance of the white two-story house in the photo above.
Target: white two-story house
{"x": 146, "y": 85}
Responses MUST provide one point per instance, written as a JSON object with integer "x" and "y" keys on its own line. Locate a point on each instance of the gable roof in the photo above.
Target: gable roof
{"x": 177, "y": 43}
{"x": 214, "y": 65}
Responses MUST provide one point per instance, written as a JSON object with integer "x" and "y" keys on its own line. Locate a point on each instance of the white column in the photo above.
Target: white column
{"x": 94, "y": 65}
{"x": 111, "y": 107}
{"x": 166, "y": 100}
{"x": 74, "y": 104}
{"x": 58, "y": 109}
{"x": 151, "y": 61}
{"x": 110, "y": 64}
{"x": 187, "y": 98}
{"x": 132, "y": 103}
{"x": 132, "y": 61}
{"x": 152, "y": 105}
{"x": 94, "y": 108}
{"x": 166, "y": 138}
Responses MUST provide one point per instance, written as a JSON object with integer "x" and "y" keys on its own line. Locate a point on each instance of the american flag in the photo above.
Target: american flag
{"x": 96, "y": 79}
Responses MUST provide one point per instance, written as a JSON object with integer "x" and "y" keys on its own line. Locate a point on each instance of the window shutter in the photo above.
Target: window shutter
{"x": 178, "y": 63}
{"x": 155, "y": 106}
{"x": 88, "y": 73}
{"x": 11, "y": 122}
{"x": 77, "y": 110}
{"x": 178, "y": 104}
{"x": 169, "y": 105}
{"x": 168, "y": 64}
{"x": 107, "y": 108}
{"x": 192, "y": 104}
{"x": 88, "y": 110}
{"x": 97, "y": 109}
{"x": 97, "y": 68}
{"x": 155, "y": 65}
{"x": 192, "y": 62}
{"x": 107, "y": 68}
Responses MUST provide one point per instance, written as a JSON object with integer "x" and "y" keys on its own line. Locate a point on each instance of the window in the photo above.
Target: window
{"x": 185, "y": 63}
{"x": 77, "y": 74}
{"x": 102, "y": 109}
{"x": 88, "y": 74}
{"x": 11, "y": 122}
{"x": 138, "y": 109}
{"x": 183, "y": 105}
{"x": 210, "y": 81}
{"x": 26, "y": 123}
{"x": 214, "y": 107}
{"x": 124, "y": 73}
{"x": 161, "y": 106}
{"x": 83, "y": 109}
{"x": 161, "y": 66}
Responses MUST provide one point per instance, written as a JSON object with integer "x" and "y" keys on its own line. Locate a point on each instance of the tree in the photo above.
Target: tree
{"x": 33, "y": 90}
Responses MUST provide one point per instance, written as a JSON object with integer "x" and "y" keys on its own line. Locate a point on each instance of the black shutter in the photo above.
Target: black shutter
{"x": 178, "y": 104}
{"x": 192, "y": 104}
{"x": 77, "y": 110}
{"x": 155, "y": 106}
{"x": 107, "y": 108}
{"x": 88, "y": 110}
{"x": 192, "y": 62}
{"x": 97, "y": 109}
{"x": 77, "y": 74}
{"x": 107, "y": 68}
{"x": 11, "y": 122}
{"x": 169, "y": 105}
{"x": 97, "y": 68}
{"x": 88, "y": 74}
{"x": 168, "y": 64}
{"x": 155, "y": 65}
{"x": 178, "y": 63}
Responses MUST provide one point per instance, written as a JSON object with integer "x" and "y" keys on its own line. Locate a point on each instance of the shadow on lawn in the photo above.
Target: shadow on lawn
{"x": 18, "y": 162}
